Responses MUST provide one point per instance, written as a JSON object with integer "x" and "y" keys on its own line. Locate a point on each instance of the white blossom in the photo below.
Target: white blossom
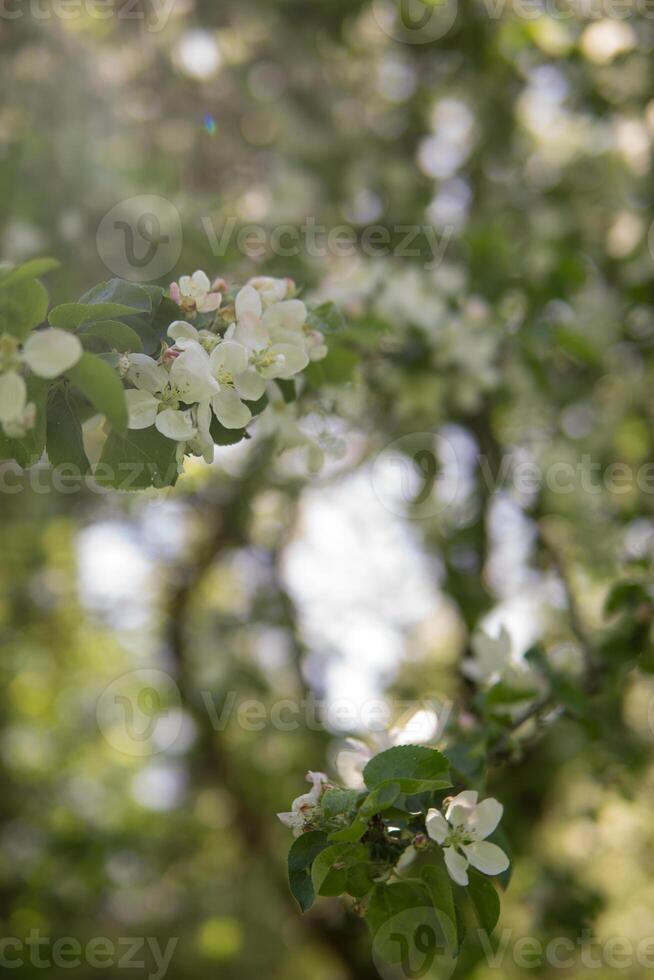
{"x": 303, "y": 806}
{"x": 462, "y": 833}
{"x": 196, "y": 293}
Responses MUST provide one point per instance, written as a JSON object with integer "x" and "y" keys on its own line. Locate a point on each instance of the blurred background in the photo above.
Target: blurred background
{"x": 174, "y": 662}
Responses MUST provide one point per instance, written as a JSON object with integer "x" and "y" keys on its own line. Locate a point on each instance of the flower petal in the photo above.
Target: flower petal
{"x": 175, "y": 425}
{"x": 250, "y": 385}
{"x": 485, "y": 817}
{"x": 291, "y": 314}
{"x": 295, "y": 359}
{"x": 141, "y": 407}
{"x": 486, "y": 857}
{"x": 13, "y": 396}
{"x": 437, "y": 826}
{"x": 230, "y": 410}
{"x": 180, "y": 328}
{"x": 50, "y": 352}
{"x": 229, "y": 356}
{"x": 190, "y": 374}
{"x": 248, "y": 303}
{"x": 460, "y": 806}
{"x": 210, "y": 303}
{"x": 145, "y": 373}
{"x": 456, "y": 865}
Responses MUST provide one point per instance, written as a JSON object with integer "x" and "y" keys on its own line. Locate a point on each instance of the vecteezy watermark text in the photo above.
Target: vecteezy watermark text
{"x": 98, "y": 953}
{"x": 320, "y": 241}
{"x": 153, "y": 14}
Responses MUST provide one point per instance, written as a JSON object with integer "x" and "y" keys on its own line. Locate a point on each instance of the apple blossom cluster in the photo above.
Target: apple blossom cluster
{"x": 460, "y": 830}
{"x": 213, "y": 367}
{"x": 45, "y": 354}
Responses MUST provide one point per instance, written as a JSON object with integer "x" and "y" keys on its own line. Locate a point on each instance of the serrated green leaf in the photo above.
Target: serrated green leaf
{"x": 485, "y": 900}
{"x": 101, "y": 385}
{"x": 415, "y": 768}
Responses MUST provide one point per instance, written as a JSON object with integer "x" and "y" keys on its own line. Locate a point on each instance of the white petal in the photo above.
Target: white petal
{"x": 145, "y": 373}
{"x": 180, "y": 328}
{"x": 229, "y": 356}
{"x": 247, "y": 303}
{"x": 485, "y": 817}
{"x": 250, "y": 385}
{"x": 290, "y": 819}
{"x": 271, "y": 290}
{"x": 295, "y": 359}
{"x": 230, "y": 410}
{"x": 437, "y": 826}
{"x": 291, "y": 314}
{"x": 13, "y": 396}
{"x": 317, "y": 779}
{"x": 141, "y": 407}
{"x": 190, "y": 374}
{"x": 175, "y": 425}
{"x": 486, "y": 857}
{"x": 210, "y": 303}
{"x": 49, "y": 352}
{"x": 201, "y": 281}
{"x": 459, "y": 806}
{"x": 456, "y": 865}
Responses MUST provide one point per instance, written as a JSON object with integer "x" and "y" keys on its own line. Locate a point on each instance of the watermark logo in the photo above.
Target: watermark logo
{"x": 416, "y": 475}
{"x": 415, "y": 21}
{"x": 140, "y": 238}
{"x": 412, "y": 944}
{"x": 139, "y": 713}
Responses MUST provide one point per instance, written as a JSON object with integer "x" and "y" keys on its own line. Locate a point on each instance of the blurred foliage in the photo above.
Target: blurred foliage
{"x": 524, "y": 143}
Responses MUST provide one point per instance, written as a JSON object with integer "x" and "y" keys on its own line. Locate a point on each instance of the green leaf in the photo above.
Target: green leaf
{"x": 354, "y": 832}
{"x": 101, "y": 385}
{"x": 301, "y": 856}
{"x": 485, "y": 900}
{"x": 336, "y": 368}
{"x": 23, "y": 306}
{"x": 336, "y": 802}
{"x": 33, "y": 269}
{"x": 439, "y": 886}
{"x": 501, "y": 694}
{"x": 327, "y": 318}
{"x": 139, "y": 299}
{"x": 71, "y": 316}
{"x": 287, "y": 388}
{"x": 139, "y": 459}
{"x": 330, "y": 869}
{"x": 380, "y": 799}
{"x": 64, "y": 443}
{"x": 116, "y": 335}
{"x": 415, "y": 768}
{"x": 222, "y": 436}
{"x": 359, "y": 880}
